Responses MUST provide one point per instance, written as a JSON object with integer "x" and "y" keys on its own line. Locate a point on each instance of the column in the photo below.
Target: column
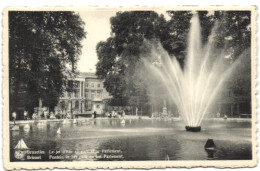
{"x": 82, "y": 89}
{"x": 69, "y": 105}
{"x": 82, "y": 106}
{"x": 238, "y": 110}
{"x": 79, "y": 89}
{"x": 79, "y": 109}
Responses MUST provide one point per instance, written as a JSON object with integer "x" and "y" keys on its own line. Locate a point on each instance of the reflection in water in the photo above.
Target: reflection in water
{"x": 144, "y": 139}
{"x": 210, "y": 153}
{"x": 58, "y": 136}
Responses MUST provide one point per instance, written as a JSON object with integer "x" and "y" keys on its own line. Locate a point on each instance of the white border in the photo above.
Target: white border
{"x": 120, "y": 3}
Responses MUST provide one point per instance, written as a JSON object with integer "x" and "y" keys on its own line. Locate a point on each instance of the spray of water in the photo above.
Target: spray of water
{"x": 195, "y": 87}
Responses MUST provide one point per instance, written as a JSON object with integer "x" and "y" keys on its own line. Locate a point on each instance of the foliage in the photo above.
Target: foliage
{"x": 43, "y": 50}
{"x": 120, "y": 57}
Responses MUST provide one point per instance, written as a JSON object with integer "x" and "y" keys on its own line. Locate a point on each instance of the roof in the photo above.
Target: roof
{"x": 87, "y": 75}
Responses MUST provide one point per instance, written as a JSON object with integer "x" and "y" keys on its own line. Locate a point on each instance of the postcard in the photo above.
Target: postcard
{"x": 129, "y": 87}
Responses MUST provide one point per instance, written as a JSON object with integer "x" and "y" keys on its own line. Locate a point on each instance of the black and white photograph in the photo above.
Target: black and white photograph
{"x": 110, "y": 85}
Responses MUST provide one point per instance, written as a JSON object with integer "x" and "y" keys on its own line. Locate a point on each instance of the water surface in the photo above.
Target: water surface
{"x": 147, "y": 139}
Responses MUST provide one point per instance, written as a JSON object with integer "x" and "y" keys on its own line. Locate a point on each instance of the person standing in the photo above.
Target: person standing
{"x": 95, "y": 114}
{"x": 46, "y": 113}
{"x": 123, "y": 113}
{"x": 113, "y": 113}
{"x": 75, "y": 113}
{"x": 14, "y": 116}
{"x": 62, "y": 114}
{"x": 25, "y": 114}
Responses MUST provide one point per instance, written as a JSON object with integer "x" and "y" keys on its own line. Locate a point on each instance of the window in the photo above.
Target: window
{"x": 62, "y": 103}
{"x": 92, "y": 85}
{"x": 89, "y": 105}
{"x": 76, "y": 104}
{"x": 86, "y": 84}
{"x": 77, "y": 94}
{"x": 70, "y": 83}
{"x": 69, "y": 94}
{"x": 98, "y": 94}
{"x": 76, "y": 84}
{"x": 98, "y": 85}
{"x": 92, "y": 95}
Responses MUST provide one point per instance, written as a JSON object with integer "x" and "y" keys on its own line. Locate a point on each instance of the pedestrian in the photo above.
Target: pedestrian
{"x": 34, "y": 116}
{"x": 41, "y": 114}
{"x": 225, "y": 117}
{"x": 218, "y": 115}
{"x": 52, "y": 116}
{"x": 62, "y": 114}
{"x": 46, "y": 113}
{"x": 95, "y": 114}
{"x": 113, "y": 113}
{"x": 14, "y": 116}
{"x": 75, "y": 113}
{"x": 68, "y": 115}
{"x": 123, "y": 113}
{"x": 25, "y": 114}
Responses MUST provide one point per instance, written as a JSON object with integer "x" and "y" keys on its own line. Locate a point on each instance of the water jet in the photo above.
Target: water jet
{"x": 194, "y": 87}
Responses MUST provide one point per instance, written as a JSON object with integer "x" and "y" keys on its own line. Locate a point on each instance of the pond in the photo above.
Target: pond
{"x": 136, "y": 140}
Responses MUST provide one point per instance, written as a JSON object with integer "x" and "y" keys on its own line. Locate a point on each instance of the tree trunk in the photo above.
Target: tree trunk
{"x": 40, "y": 102}
{"x": 238, "y": 110}
{"x": 231, "y": 111}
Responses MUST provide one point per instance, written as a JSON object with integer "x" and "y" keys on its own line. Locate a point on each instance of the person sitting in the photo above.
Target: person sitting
{"x": 52, "y": 115}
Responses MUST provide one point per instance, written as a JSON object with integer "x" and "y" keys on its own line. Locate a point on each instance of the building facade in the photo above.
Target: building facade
{"x": 88, "y": 95}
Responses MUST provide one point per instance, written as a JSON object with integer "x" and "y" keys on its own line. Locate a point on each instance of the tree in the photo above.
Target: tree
{"x": 44, "y": 48}
{"x": 234, "y": 32}
{"x": 120, "y": 57}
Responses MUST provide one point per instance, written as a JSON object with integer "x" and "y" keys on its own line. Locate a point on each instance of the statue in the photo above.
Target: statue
{"x": 164, "y": 109}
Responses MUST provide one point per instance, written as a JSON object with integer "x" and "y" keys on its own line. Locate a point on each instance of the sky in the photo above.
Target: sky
{"x": 97, "y": 26}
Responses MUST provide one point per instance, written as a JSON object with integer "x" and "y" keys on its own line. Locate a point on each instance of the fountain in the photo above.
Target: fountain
{"x": 194, "y": 87}
{"x": 164, "y": 109}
